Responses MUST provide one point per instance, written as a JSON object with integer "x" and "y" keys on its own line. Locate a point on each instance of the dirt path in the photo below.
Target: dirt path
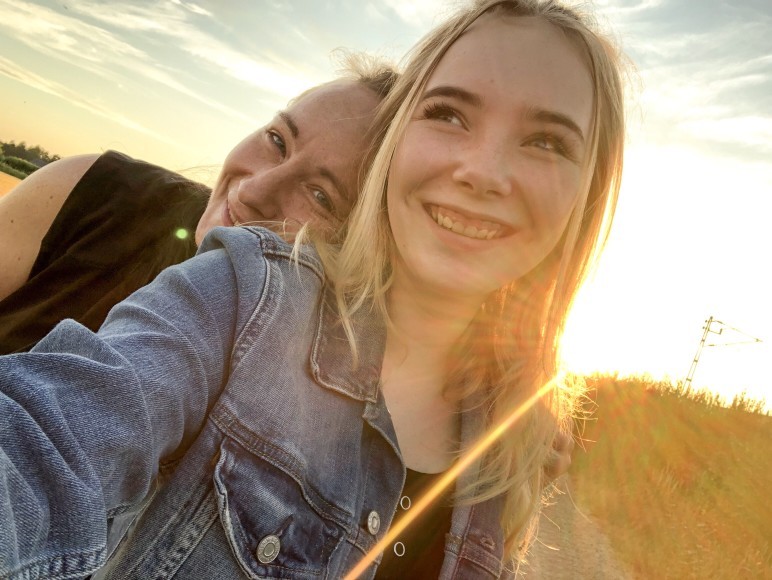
{"x": 570, "y": 546}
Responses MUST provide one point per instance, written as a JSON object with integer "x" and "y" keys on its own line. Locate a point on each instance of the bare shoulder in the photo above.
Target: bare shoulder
{"x": 27, "y": 212}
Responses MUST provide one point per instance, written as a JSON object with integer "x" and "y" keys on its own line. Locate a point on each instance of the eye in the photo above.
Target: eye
{"x": 442, "y": 112}
{"x": 278, "y": 142}
{"x": 323, "y": 200}
{"x": 550, "y": 143}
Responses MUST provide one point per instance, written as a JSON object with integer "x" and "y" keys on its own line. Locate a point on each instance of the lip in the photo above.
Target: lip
{"x": 229, "y": 217}
{"x": 225, "y": 214}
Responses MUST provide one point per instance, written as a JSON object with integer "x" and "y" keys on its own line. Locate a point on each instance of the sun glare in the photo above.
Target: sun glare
{"x": 661, "y": 277}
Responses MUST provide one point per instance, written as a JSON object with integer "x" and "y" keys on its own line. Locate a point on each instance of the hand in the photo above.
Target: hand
{"x": 559, "y": 459}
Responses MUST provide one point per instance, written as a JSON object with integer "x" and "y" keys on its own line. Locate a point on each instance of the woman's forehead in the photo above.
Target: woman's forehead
{"x": 337, "y": 100}
{"x": 523, "y": 60}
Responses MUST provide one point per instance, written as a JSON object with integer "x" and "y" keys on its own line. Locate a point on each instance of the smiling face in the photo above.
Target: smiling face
{"x": 483, "y": 182}
{"x": 302, "y": 167}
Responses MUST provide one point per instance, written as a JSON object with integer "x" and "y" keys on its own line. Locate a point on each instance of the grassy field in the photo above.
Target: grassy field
{"x": 677, "y": 483}
{"x": 7, "y": 182}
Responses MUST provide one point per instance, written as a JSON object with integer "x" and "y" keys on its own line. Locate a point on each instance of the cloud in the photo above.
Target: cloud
{"x": 753, "y": 132}
{"x": 11, "y": 70}
{"x": 110, "y": 55}
{"x": 96, "y": 50}
{"x": 373, "y": 13}
{"x": 622, "y": 7}
{"x": 194, "y": 8}
{"x": 706, "y": 74}
{"x": 169, "y": 21}
{"x": 422, "y": 14}
{"x": 62, "y": 36}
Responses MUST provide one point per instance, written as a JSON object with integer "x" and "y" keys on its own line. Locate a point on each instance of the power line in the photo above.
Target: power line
{"x": 707, "y": 329}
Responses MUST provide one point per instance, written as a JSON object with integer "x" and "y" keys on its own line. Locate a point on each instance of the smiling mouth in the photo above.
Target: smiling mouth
{"x": 465, "y": 226}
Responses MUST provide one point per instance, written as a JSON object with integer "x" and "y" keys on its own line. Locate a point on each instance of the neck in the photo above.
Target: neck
{"x": 428, "y": 320}
{"x": 425, "y": 328}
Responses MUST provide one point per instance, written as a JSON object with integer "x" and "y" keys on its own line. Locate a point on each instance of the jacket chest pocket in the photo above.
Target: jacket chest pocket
{"x": 273, "y": 531}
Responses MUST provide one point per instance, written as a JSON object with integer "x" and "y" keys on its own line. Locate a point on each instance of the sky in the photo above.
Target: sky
{"x": 180, "y": 83}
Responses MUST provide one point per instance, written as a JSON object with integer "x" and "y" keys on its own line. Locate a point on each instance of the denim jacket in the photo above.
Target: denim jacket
{"x": 213, "y": 428}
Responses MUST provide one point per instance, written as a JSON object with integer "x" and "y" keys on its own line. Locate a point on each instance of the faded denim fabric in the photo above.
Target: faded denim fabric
{"x": 213, "y": 428}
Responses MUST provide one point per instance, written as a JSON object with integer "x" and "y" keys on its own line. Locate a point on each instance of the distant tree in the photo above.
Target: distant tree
{"x": 36, "y": 154}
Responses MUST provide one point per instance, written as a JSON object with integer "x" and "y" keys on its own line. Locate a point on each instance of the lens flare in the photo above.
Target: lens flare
{"x": 450, "y": 476}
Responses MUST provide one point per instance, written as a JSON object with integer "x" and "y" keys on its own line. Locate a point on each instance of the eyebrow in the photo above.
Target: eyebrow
{"x": 287, "y": 118}
{"x": 454, "y": 92}
{"x": 545, "y": 116}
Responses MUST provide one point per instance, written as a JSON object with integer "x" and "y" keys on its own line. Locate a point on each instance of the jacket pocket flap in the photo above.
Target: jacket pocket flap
{"x": 273, "y": 531}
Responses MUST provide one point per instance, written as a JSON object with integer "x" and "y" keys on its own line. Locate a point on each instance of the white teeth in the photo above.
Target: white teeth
{"x": 488, "y": 231}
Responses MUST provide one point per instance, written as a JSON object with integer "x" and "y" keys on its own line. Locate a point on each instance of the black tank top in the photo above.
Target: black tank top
{"x": 123, "y": 223}
{"x": 418, "y": 552}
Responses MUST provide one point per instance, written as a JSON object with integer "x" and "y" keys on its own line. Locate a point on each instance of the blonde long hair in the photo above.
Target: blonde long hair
{"x": 510, "y": 351}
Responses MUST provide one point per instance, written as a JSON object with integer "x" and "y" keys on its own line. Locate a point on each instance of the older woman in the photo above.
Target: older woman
{"x": 81, "y": 234}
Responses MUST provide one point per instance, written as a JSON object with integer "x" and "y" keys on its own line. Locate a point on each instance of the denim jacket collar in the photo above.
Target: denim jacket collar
{"x": 338, "y": 370}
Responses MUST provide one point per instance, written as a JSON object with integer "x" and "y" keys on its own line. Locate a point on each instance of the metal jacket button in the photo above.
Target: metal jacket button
{"x": 268, "y": 549}
{"x": 373, "y": 522}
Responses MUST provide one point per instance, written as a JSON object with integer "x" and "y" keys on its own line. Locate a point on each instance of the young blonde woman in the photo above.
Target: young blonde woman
{"x": 270, "y": 411}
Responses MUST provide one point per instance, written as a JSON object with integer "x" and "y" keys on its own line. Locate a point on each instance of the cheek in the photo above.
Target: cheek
{"x": 395, "y": 182}
{"x": 295, "y": 207}
{"x": 207, "y": 221}
{"x": 237, "y": 157}
{"x": 423, "y": 156}
{"x": 559, "y": 192}
{"x": 391, "y": 202}
{"x": 249, "y": 155}
{"x": 413, "y": 160}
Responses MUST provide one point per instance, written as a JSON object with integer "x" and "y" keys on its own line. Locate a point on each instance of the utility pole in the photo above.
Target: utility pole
{"x": 706, "y": 331}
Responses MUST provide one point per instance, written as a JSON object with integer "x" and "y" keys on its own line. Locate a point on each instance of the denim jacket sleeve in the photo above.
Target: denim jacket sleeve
{"x": 85, "y": 419}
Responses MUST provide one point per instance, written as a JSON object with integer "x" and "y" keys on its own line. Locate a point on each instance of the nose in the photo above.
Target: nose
{"x": 260, "y": 194}
{"x": 485, "y": 167}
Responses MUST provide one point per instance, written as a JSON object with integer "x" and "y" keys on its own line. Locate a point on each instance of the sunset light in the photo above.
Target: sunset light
{"x": 167, "y": 85}
{"x": 661, "y": 470}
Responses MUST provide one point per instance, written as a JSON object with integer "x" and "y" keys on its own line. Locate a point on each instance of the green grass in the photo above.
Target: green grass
{"x": 11, "y": 171}
{"x": 681, "y": 485}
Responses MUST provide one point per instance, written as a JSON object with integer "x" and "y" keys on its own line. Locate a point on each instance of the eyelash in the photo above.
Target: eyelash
{"x": 438, "y": 110}
{"x": 328, "y": 207}
{"x": 558, "y": 145}
{"x": 275, "y": 136}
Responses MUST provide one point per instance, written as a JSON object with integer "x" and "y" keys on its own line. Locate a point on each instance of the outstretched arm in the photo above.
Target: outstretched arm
{"x": 86, "y": 418}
